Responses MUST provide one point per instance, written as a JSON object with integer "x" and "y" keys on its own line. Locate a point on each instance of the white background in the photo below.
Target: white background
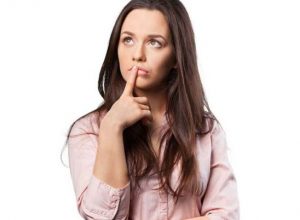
{"x": 50, "y": 56}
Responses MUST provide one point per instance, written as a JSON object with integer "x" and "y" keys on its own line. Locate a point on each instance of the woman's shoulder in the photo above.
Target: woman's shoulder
{"x": 209, "y": 127}
{"x": 213, "y": 132}
{"x": 88, "y": 123}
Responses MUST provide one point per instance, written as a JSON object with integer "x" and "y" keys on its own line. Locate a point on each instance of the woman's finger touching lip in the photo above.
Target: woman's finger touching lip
{"x": 141, "y": 71}
{"x": 140, "y": 68}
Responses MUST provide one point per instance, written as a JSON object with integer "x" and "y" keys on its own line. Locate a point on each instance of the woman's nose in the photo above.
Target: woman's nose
{"x": 139, "y": 54}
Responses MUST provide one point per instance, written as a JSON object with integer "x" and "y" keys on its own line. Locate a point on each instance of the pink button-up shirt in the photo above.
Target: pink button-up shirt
{"x": 98, "y": 200}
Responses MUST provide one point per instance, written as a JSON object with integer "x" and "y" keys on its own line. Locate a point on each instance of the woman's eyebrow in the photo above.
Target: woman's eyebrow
{"x": 150, "y": 35}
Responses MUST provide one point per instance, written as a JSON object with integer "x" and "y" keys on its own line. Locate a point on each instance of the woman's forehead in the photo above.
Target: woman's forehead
{"x": 146, "y": 22}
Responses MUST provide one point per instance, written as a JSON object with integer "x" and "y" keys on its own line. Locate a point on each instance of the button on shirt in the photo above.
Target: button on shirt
{"x": 96, "y": 199}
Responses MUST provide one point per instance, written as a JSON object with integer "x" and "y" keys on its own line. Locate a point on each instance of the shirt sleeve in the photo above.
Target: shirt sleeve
{"x": 220, "y": 201}
{"x": 95, "y": 199}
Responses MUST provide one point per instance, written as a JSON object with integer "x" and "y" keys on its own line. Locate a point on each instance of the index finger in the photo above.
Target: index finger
{"x": 130, "y": 81}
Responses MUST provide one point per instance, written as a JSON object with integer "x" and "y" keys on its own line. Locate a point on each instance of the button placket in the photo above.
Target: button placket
{"x": 163, "y": 205}
{"x": 114, "y": 200}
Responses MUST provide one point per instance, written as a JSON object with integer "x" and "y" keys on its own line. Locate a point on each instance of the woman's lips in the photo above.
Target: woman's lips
{"x": 141, "y": 71}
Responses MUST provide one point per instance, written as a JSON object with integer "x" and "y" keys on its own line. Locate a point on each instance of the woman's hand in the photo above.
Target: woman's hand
{"x": 128, "y": 109}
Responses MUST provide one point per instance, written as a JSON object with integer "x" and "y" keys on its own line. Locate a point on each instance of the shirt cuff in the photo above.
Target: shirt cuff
{"x": 104, "y": 201}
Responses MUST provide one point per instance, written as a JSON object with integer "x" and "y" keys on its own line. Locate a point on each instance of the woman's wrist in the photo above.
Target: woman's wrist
{"x": 109, "y": 124}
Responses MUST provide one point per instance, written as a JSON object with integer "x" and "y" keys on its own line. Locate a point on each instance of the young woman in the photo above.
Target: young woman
{"x": 153, "y": 149}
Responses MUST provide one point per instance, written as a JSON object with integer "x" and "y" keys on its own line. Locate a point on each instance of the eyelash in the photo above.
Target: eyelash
{"x": 126, "y": 38}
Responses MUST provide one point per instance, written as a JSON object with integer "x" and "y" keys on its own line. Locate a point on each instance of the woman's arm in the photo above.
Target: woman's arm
{"x": 98, "y": 165}
{"x": 221, "y": 197}
{"x": 98, "y": 196}
{"x": 111, "y": 155}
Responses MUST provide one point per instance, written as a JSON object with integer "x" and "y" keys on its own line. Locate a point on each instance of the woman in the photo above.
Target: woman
{"x": 153, "y": 149}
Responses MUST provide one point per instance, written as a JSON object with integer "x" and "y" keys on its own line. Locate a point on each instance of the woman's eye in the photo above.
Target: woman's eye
{"x": 155, "y": 43}
{"x": 127, "y": 40}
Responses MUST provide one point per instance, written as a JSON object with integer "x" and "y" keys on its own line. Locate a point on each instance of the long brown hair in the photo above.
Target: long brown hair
{"x": 187, "y": 111}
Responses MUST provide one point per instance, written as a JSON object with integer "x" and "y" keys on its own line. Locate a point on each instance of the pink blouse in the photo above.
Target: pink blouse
{"x": 98, "y": 200}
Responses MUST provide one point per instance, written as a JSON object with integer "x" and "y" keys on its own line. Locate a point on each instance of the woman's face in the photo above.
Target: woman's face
{"x": 145, "y": 41}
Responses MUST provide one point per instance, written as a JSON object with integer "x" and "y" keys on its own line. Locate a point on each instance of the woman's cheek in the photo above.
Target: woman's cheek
{"x": 122, "y": 61}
